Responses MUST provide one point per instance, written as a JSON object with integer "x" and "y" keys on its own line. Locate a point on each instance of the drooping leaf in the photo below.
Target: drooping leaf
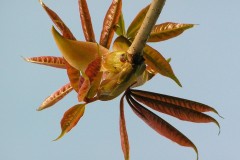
{"x": 86, "y": 21}
{"x": 57, "y": 62}
{"x": 120, "y": 26}
{"x": 199, "y": 107}
{"x": 136, "y": 23}
{"x": 77, "y": 53}
{"x": 123, "y": 131}
{"x": 110, "y": 20}
{"x": 159, "y": 125}
{"x": 167, "y": 30}
{"x": 158, "y": 63}
{"x": 58, "y": 22}
{"x": 55, "y": 97}
{"x": 71, "y": 118}
{"x": 179, "y": 112}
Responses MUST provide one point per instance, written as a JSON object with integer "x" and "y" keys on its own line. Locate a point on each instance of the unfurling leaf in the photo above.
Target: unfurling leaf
{"x": 71, "y": 118}
{"x": 199, "y": 107}
{"x": 110, "y": 20}
{"x": 123, "y": 131}
{"x": 119, "y": 82}
{"x": 136, "y": 23}
{"x": 56, "y": 96}
{"x": 158, "y": 63}
{"x": 57, "y": 62}
{"x": 114, "y": 62}
{"x": 86, "y": 21}
{"x": 77, "y": 53}
{"x": 159, "y": 125}
{"x": 121, "y": 44}
{"x": 167, "y": 30}
{"x": 58, "y": 22}
{"x": 179, "y": 112}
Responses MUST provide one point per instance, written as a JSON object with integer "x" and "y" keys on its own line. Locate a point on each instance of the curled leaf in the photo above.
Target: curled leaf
{"x": 159, "y": 125}
{"x": 123, "y": 131}
{"x": 158, "y": 63}
{"x": 110, "y": 20}
{"x": 77, "y": 53}
{"x": 71, "y": 118}
{"x": 86, "y": 21}
{"x": 136, "y": 23}
{"x": 179, "y": 112}
{"x": 57, "y": 62}
{"x": 55, "y": 97}
{"x": 167, "y": 30}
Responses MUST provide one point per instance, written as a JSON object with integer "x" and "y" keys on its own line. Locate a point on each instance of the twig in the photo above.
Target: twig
{"x": 146, "y": 28}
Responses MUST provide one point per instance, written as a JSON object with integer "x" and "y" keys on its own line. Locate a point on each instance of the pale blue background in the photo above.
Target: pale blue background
{"x": 205, "y": 59}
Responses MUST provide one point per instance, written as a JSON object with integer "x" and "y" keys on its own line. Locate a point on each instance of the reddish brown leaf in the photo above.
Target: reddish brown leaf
{"x": 83, "y": 90}
{"x": 167, "y": 30}
{"x": 123, "y": 131}
{"x": 179, "y": 112}
{"x": 110, "y": 20}
{"x": 176, "y": 101}
{"x": 93, "y": 68}
{"x": 86, "y": 21}
{"x": 159, "y": 125}
{"x": 73, "y": 76}
{"x": 71, "y": 118}
{"x": 57, "y": 62}
{"x": 56, "y": 96}
{"x": 95, "y": 86}
{"x": 94, "y": 75}
{"x": 58, "y": 22}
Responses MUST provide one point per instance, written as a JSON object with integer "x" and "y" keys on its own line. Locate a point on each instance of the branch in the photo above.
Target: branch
{"x": 146, "y": 28}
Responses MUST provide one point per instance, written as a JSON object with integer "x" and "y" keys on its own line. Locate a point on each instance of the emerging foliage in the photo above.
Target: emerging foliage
{"x": 97, "y": 73}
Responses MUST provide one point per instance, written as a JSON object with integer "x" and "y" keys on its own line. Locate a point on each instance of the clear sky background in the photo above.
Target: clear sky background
{"x": 205, "y": 59}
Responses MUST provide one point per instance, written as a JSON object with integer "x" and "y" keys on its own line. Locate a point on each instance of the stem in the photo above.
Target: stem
{"x": 146, "y": 28}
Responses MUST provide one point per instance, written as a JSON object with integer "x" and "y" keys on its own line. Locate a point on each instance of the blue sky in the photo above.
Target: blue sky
{"x": 205, "y": 59}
